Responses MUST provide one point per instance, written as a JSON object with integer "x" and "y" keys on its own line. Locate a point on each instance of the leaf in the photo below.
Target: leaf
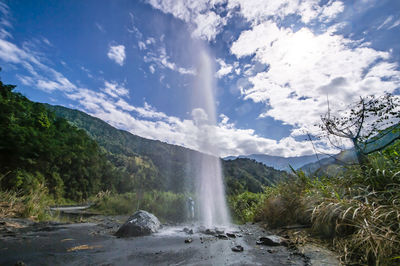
{"x": 83, "y": 247}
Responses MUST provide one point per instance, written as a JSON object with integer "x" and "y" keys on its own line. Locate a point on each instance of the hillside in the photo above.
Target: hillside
{"x": 42, "y": 152}
{"x": 281, "y": 163}
{"x": 244, "y": 174}
{"x": 174, "y": 165}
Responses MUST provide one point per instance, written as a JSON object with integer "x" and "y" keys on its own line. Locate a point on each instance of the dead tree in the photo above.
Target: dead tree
{"x": 371, "y": 124}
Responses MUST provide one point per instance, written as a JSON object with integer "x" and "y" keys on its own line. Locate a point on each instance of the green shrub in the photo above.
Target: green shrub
{"x": 244, "y": 206}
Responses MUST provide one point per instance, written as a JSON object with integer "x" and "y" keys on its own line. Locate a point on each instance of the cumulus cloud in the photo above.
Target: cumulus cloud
{"x": 205, "y": 23}
{"x": 320, "y": 65}
{"x": 224, "y": 68}
{"x": 147, "y": 122}
{"x": 117, "y": 54}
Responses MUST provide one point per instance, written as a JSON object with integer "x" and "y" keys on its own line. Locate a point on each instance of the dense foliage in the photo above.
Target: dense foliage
{"x": 243, "y": 175}
{"x": 36, "y": 147}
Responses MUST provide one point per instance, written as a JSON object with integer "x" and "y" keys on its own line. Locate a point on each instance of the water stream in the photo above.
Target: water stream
{"x": 211, "y": 203}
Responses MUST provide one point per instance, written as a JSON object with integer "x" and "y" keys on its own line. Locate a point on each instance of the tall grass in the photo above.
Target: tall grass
{"x": 358, "y": 211}
{"x": 31, "y": 204}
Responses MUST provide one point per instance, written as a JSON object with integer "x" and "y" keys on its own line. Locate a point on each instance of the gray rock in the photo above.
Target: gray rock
{"x": 231, "y": 235}
{"x": 222, "y": 236}
{"x": 272, "y": 240}
{"x": 209, "y": 232}
{"x": 237, "y": 248}
{"x": 139, "y": 224}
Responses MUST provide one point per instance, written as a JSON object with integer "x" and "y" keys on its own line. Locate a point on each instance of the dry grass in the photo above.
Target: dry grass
{"x": 33, "y": 204}
{"x": 358, "y": 213}
{"x": 10, "y": 205}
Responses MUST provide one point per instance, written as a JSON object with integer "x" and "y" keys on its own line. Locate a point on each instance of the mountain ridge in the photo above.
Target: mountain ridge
{"x": 281, "y": 163}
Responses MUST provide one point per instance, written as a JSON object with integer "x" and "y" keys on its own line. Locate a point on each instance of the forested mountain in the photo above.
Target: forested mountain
{"x": 175, "y": 165}
{"x": 75, "y": 155}
{"x": 281, "y": 163}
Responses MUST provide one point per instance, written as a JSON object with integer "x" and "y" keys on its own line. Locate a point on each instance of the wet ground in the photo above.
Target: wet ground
{"x": 94, "y": 244}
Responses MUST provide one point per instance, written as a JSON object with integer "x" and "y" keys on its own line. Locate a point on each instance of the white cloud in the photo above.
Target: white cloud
{"x": 99, "y": 27}
{"x": 224, "y": 69}
{"x": 41, "y": 76}
{"x": 114, "y": 89}
{"x": 117, "y": 54}
{"x": 163, "y": 60}
{"x": 208, "y": 25}
{"x": 152, "y": 69}
{"x": 150, "y": 41}
{"x": 387, "y": 21}
{"x": 5, "y": 21}
{"x": 395, "y": 24}
{"x": 147, "y": 122}
{"x": 319, "y": 65}
{"x": 142, "y": 45}
{"x": 205, "y": 23}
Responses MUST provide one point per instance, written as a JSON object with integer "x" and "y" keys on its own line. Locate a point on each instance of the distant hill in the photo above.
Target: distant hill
{"x": 175, "y": 166}
{"x": 330, "y": 165}
{"x": 281, "y": 163}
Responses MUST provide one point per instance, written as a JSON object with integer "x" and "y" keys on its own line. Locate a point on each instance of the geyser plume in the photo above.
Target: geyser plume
{"x": 211, "y": 202}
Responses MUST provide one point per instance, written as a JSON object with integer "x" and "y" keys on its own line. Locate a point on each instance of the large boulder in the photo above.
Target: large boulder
{"x": 139, "y": 224}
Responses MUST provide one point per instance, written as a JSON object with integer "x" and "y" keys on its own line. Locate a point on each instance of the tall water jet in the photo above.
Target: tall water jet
{"x": 211, "y": 202}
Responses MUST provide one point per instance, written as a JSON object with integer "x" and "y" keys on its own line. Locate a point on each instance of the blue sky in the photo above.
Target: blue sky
{"x": 135, "y": 64}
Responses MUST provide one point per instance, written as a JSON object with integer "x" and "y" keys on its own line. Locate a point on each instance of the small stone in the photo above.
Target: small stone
{"x": 188, "y": 240}
{"x": 271, "y": 240}
{"x": 231, "y": 235}
{"x": 221, "y": 236}
{"x": 237, "y": 248}
{"x": 209, "y": 232}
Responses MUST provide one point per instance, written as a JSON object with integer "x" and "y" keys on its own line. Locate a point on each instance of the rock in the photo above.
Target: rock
{"x": 271, "y": 240}
{"x": 188, "y": 231}
{"x": 188, "y": 240}
{"x": 209, "y": 232}
{"x": 139, "y": 224}
{"x": 231, "y": 235}
{"x": 237, "y": 248}
{"x": 222, "y": 236}
{"x": 219, "y": 232}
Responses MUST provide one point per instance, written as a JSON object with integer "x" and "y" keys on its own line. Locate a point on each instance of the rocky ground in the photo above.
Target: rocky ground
{"x": 94, "y": 243}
